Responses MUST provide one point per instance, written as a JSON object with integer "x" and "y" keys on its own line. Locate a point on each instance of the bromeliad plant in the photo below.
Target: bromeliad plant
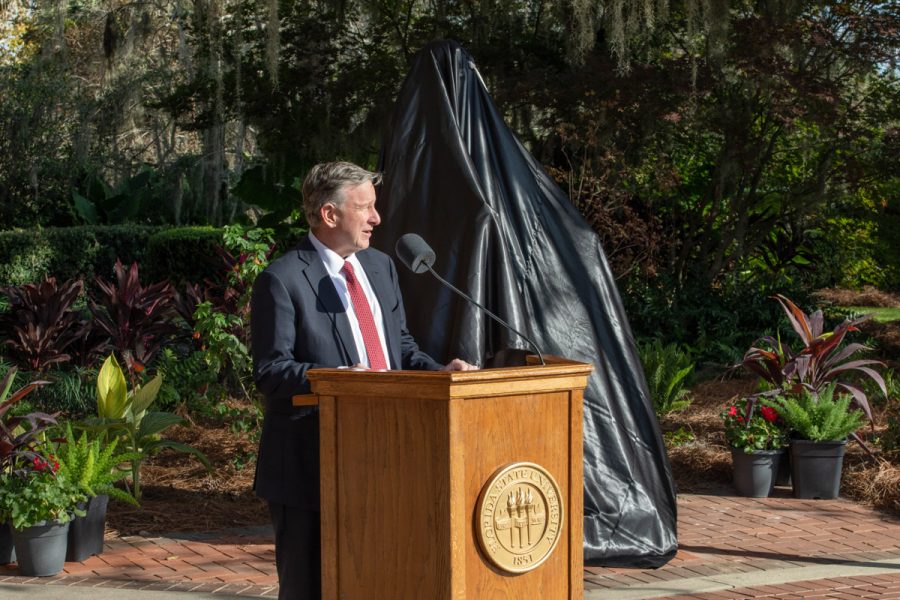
{"x": 820, "y": 363}
{"x": 125, "y": 414}
{"x": 750, "y": 429}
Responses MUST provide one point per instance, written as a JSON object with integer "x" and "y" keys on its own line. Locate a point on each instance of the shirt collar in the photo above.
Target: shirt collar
{"x": 333, "y": 261}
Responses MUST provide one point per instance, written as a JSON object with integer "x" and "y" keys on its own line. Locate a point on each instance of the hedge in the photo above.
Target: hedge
{"x": 175, "y": 253}
{"x": 26, "y": 256}
{"x": 184, "y": 254}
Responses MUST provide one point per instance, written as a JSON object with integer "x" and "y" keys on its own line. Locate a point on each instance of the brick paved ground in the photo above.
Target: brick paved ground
{"x": 729, "y": 548}
{"x": 241, "y": 563}
{"x": 723, "y": 538}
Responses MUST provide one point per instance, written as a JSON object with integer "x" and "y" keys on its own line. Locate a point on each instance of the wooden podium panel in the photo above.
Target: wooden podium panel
{"x": 405, "y": 456}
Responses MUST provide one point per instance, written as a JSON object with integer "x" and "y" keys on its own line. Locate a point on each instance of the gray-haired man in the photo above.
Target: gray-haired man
{"x": 331, "y": 301}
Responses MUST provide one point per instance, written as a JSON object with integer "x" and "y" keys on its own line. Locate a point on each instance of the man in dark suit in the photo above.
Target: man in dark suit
{"x": 332, "y": 301}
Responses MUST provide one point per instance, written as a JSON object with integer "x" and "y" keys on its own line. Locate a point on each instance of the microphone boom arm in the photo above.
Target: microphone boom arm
{"x": 489, "y": 313}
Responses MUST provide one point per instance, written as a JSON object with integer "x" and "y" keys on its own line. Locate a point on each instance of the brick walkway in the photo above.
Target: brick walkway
{"x": 729, "y": 548}
{"x": 730, "y": 542}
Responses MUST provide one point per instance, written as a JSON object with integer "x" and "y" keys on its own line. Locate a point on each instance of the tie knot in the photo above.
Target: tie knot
{"x": 347, "y": 270}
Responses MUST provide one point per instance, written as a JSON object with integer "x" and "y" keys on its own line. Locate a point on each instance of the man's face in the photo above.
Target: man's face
{"x": 350, "y": 225}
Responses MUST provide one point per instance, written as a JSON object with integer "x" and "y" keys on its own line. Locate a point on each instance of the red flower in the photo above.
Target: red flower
{"x": 39, "y": 463}
{"x": 732, "y": 412}
{"x": 769, "y": 414}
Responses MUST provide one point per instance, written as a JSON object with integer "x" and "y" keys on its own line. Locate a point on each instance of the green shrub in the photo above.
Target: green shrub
{"x": 71, "y": 391}
{"x": 186, "y": 380}
{"x": 184, "y": 254}
{"x": 667, "y": 369}
{"x": 66, "y": 253}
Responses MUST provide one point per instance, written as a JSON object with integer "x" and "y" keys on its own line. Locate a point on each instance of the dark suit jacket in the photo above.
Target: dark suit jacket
{"x": 298, "y": 323}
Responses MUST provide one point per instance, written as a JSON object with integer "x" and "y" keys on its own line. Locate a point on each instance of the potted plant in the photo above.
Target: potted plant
{"x": 822, "y": 360}
{"x": 820, "y": 425}
{"x": 757, "y": 439}
{"x": 18, "y": 440}
{"x": 94, "y": 467}
{"x": 39, "y": 499}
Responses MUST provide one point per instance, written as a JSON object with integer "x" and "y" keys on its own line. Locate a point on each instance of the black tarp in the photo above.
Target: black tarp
{"x": 505, "y": 233}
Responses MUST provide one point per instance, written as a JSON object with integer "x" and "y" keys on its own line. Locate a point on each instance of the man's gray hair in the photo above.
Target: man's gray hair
{"x": 326, "y": 183}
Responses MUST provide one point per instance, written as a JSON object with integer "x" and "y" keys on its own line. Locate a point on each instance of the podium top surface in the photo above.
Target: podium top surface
{"x": 556, "y": 375}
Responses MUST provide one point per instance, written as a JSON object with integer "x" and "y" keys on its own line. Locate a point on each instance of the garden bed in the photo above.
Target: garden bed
{"x": 180, "y": 496}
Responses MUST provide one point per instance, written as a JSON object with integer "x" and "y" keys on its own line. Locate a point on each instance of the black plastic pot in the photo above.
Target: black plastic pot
{"x": 754, "y": 472}
{"x": 816, "y": 468}
{"x": 86, "y": 533}
{"x": 7, "y": 548}
{"x": 783, "y": 477}
{"x": 41, "y": 549}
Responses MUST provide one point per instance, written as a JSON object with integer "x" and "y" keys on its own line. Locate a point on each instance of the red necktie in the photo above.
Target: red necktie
{"x": 364, "y": 316}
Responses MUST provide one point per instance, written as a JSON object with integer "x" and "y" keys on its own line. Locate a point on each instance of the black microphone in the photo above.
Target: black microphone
{"x": 417, "y": 255}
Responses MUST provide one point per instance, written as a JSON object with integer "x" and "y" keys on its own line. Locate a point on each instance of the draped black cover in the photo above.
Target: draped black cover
{"x": 505, "y": 233}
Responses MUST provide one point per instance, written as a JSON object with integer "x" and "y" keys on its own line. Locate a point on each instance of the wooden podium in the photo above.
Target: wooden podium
{"x": 452, "y": 485}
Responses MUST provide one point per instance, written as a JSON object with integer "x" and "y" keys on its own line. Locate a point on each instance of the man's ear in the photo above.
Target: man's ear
{"x": 328, "y": 216}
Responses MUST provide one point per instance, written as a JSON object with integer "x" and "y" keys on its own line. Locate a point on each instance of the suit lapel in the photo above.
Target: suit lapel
{"x": 327, "y": 298}
{"x": 380, "y": 282}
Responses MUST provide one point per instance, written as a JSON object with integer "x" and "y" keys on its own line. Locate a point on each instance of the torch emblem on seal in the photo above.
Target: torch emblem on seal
{"x": 519, "y": 517}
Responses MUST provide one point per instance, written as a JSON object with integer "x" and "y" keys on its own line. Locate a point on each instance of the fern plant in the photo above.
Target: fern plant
{"x": 95, "y": 467}
{"x": 824, "y": 418}
{"x": 667, "y": 369}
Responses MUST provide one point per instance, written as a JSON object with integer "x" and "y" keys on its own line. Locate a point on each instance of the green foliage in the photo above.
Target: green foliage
{"x": 186, "y": 380}
{"x": 125, "y": 413}
{"x": 223, "y": 347}
{"x": 94, "y": 466}
{"x": 173, "y": 253}
{"x": 71, "y": 391}
{"x": 679, "y": 437}
{"x": 38, "y": 493}
{"x": 667, "y": 369}
{"x": 716, "y": 325}
{"x": 183, "y": 254}
{"x": 70, "y": 252}
{"x": 750, "y": 429}
{"x": 223, "y": 325}
{"x": 823, "y": 417}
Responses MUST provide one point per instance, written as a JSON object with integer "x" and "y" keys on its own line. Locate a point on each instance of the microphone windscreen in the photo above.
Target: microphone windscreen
{"x": 414, "y": 252}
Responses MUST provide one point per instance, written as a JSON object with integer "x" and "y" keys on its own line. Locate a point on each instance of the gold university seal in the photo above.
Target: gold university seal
{"x": 519, "y": 517}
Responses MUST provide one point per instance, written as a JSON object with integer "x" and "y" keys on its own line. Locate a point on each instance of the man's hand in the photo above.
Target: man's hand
{"x": 458, "y": 364}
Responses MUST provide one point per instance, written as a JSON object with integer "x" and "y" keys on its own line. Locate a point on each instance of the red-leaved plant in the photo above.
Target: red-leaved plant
{"x": 819, "y": 363}
{"x": 137, "y": 318}
{"x": 19, "y": 435}
{"x": 40, "y": 323}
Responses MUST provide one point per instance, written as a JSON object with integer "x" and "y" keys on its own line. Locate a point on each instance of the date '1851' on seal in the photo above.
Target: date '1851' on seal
{"x": 519, "y": 517}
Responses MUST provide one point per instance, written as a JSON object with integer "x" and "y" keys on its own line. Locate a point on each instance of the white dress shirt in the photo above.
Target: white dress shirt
{"x": 333, "y": 264}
